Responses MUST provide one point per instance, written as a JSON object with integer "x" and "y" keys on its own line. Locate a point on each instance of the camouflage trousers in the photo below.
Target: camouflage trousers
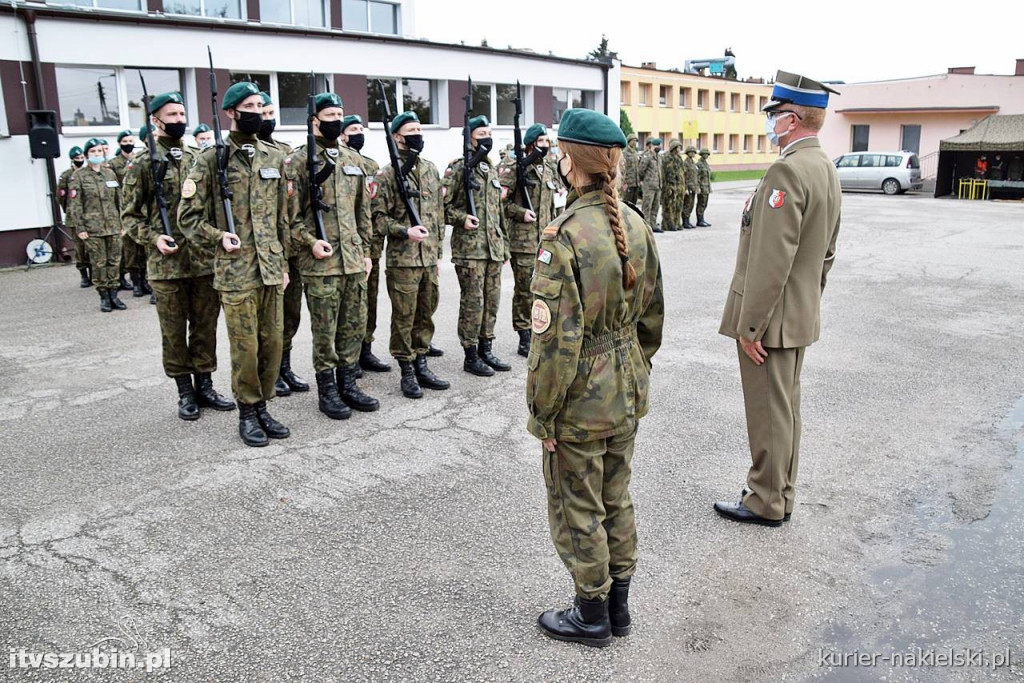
{"x": 337, "y": 314}
{"x": 133, "y": 255}
{"x": 414, "y": 295}
{"x": 292, "y": 305}
{"x": 590, "y": 512}
{"x": 672, "y": 208}
{"x": 105, "y": 257}
{"x": 255, "y": 325}
{"x": 372, "y": 289}
{"x": 188, "y": 309}
{"x": 702, "y": 205}
{"x": 631, "y": 195}
{"x": 652, "y": 202}
{"x": 688, "y": 204}
{"x": 81, "y": 253}
{"x": 522, "y": 300}
{"x": 480, "y": 294}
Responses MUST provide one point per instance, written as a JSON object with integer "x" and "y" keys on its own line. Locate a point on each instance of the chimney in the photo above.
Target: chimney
{"x": 1019, "y": 71}
{"x": 648, "y": 65}
{"x": 964, "y": 70}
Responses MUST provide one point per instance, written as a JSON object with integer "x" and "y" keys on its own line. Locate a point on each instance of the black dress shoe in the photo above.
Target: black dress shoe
{"x": 745, "y": 491}
{"x": 434, "y": 352}
{"x": 586, "y": 622}
{"x": 738, "y": 512}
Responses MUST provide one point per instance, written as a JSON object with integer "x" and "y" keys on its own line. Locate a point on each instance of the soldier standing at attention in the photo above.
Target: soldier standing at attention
{"x": 203, "y": 136}
{"x": 650, "y": 182}
{"x": 597, "y": 322}
{"x": 787, "y": 246}
{"x": 703, "y": 187}
{"x": 133, "y": 256}
{"x": 413, "y": 254}
{"x": 631, "y": 170}
{"x": 673, "y": 189}
{"x": 77, "y": 157}
{"x": 249, "y": 268}
{"x": 480, "y": 247}
{"x": 692, "y": 186}
{"x": 94, "y": 214}
{"x": 188, "y": 305}
{"x": 334, "y": 270}
{"x": 354, "y": 138}
{"x": 524, "y": 225}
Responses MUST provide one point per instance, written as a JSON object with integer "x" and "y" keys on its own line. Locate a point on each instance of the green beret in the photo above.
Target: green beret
{"x": 654, "y": 141}
{"x": 92, "y": 142}
{"x": 74, "y": 152}
{"x": 164, "y": 98}
{"x": 123, "y": 134}
{"x": 237, "y": 93}
{"x": 478, "y": 122}
{"x": 588, "y": 127}
{"x": 534, "y": 132}
{"x": 201, "y": 128}
{"x": 266, "y": 98}
{"x": 691, "y": 148}
{"x": 104, "y": 142}
{"x": 402, "y": 119}
{"x": 350, "y": 119}
{"x": 144, "y": 132}
{"x": 327, "y": 99}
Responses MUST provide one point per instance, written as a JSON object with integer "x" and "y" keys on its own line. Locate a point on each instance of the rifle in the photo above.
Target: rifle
{"x": 159, "y": 169}
{"x": 316, "y": 179}
{"x": 468, "y": 180}
{"x": 523, "y": 180}
{"x": 404, "y": 191}
{"x": 222, "y": 155}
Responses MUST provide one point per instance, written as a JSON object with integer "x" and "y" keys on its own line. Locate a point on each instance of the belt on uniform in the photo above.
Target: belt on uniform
{"x": 609, "y": 341}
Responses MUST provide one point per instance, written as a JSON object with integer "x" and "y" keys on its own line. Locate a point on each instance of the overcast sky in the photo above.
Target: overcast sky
{"x": 858, "y": 41}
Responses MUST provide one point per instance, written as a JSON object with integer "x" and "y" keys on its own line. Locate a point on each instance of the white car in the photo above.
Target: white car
{"x": 890, "y": 172}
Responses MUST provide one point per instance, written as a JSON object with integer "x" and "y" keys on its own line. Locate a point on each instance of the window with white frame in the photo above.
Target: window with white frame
{"x": 371, "y": 16}
{"x": 216, "y": 9}
{"x": 130, "y": 5}
{"x": 415, "y": 94}
{"x": 419, "y": 95}
{"x": 314, "y": 13}
{"x": 293, "y": 96}
{"x": 157, "y": 81}
{"x": 262, "y": 80}
{"x": 108, "y": 96}
{"x": 565, "y": 98}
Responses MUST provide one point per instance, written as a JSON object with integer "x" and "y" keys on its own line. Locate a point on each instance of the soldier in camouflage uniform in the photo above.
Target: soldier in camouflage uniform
{"x": 413, "y": 253}
{"x": 650, "y": 182}
{"x": 630, "y": 171}
{"x": 249, "y": 268}
{"x": 287, "y": 380}
{"x": 691, "y": 186}
{"x": 188, "y": 306}
{"x": 203, "y": 136}
{"x": 673, "y": 188}
{"x": 334, "y": 270}
{"x": 524, "y": 225}
{"x": 94, "y": 214}
{"x": 354, "y": 138}
{"x": 704, "y": 187}
{"x": 480, "y": 246}
{"x": 597, "y": 321}
{"x": 77, "y": 157}
{"x": 133, "y": 256}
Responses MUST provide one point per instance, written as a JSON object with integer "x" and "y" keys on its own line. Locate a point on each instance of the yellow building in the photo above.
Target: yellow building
{"x": 710, "y": 113}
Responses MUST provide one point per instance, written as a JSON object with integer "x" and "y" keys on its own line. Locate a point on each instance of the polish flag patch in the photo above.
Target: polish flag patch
{"x": 777, "y": 199}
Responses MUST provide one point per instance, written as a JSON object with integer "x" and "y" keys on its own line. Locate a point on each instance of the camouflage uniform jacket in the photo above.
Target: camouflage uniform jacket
{"x": 524, "y": 237}
{"x": 704, "y": 176}
{"x": 391, "y": 219}
{"x": 94, "y": 204}
{"x": 63, "y": 185}
{"x": 347, "y": 223}
{"x": 691, "y": 175}
{"x": 650, "y": 170}
{"x": 141, "y": 219}
{"x": 119, "y": 165}
{"x": 370, "y": 168}
{"x": 259, "y": 206}
{"x": 672, "y": 170}
{"x": 590, "y": 360}
{"x": 279, "y": 146}
{"x": 489, "y": 241}
{"x": 630, "y": 168}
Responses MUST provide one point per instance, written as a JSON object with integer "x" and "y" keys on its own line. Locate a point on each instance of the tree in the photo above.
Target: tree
{"x": 601, "y": 53}
{"x": 624, "y": 123}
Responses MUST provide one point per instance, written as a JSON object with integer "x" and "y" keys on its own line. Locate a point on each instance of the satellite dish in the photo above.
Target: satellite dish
{"x": 39, "y": 251}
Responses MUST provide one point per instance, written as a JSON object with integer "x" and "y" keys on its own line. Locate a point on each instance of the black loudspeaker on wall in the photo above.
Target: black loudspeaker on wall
{"x": 42, "y": 134}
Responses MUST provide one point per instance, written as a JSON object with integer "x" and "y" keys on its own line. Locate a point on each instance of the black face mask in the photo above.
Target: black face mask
{"x": 330, "y": 130}
{"x": 536, "y": 155}
{"x": 484, "y": 144}
{"x": 356, "y": 141}
{"x": 249, "y": 122}
{"x": 414, "y": 143}
{"x": 78, "y": 164}
{"x": 174, "y": 130}
{"x": 127, "y": 149}
{"x": 565, "y": 178}
{"x": 267, "y": 127}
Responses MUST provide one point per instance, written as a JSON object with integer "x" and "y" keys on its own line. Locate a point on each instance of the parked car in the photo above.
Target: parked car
{"x": 890, "y": 172}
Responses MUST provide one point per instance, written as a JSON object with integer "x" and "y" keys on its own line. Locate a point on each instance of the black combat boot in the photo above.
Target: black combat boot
{"x": 474, "y": 365}
{"x": 114, "y": 301}
{"x": 137, "y": 290}
{"x": 618, "y": 607}
{"x": 524, "y": 343}
{"x": 586, "y": 622}
{"x": 152, "y": 298}
{"x": 145, "y": 283}
{"x": 86, "y": 280}
{"x": 434, "y": 352}
{"x": 188, "y": 409}
{"x": 370, "y": 362}
{"x": 351, "y": 394}
{"x": 426, "y": 377}
{"x": 330, "y": 401}
{"x": 207, "y": 397}
{"x": 687, "y": 224}
{"x": 122, "y": 284}
{"x": 272, "y": 428}
{"x": 294, "y": 382}
{"x": 281, "y": 387}
{"x": 410, "y": 385}
{"x": 249, "y": 426}
{"x": 486, "y": 356}
{"x": 701, "y": 223}
{"x": 105, "y": 304}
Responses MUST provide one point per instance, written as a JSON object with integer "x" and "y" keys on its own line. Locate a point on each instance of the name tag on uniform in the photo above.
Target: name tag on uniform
{"x": 551, "y": 185}
{"x": 112, "y": 183}
{"x": 496, "y": 183}
{"x": 267, "y": 173}
{"x": 351, "y": 170}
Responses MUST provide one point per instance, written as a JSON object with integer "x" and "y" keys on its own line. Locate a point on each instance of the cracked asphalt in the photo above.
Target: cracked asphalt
{"x": 412, "y": 543}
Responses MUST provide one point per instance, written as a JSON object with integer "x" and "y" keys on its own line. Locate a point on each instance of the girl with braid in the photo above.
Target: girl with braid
{"x": 596, "y": 322}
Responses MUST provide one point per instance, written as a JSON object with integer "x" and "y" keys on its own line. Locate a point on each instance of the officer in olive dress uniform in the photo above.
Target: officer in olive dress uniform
{"x": 787, "y": 246}
{"x": 597, "y": 322}
{"x": 77, "y": 157}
